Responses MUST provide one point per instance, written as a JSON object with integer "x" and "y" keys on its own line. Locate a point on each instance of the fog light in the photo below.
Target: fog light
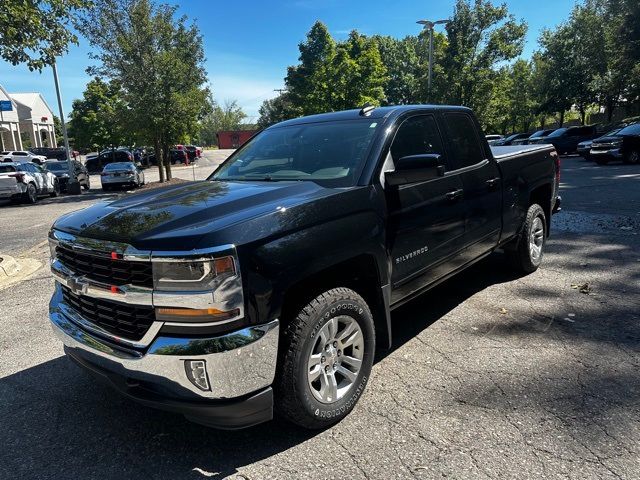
{"x": 197, "y": 373}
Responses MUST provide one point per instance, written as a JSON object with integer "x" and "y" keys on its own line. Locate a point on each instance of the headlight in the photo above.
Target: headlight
{"x": 217, "y": 276}
{"x": 192, "y": 276}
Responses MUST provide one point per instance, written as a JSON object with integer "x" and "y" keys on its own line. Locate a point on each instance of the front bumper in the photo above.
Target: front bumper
{"x": 240, "y": 367}
{"x": 610, "y": 153}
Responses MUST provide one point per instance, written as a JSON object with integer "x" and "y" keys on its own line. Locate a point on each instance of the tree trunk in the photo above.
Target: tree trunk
{"x": 167, "y": 162}
{"x": 609, "y": 108}
{"x": 159, "y": 159}
{"x": 583, "y": 114}
{"x": 561, "y": 118}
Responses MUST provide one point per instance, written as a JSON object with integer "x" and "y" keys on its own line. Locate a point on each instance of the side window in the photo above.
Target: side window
{"x": 417, "y": 135}
{"x": 20, "y": 154}
{"x": 463, "y": 140}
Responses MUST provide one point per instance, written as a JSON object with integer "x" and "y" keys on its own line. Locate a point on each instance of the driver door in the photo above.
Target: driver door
{"x": 426, "y": 220}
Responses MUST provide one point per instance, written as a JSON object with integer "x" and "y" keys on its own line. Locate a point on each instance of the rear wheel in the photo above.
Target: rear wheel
{"x": 327, "y": 354}
{"x": 527, "y": 252}
{"x": 87, "y": 184}
{"x": 31, "y": 195}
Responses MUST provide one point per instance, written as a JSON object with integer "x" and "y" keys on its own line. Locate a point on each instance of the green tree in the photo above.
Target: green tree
{"x": 228, "y": 116}
{"x": 98, "y": 119}
{"x": 36, "y": 32}
{"x": 481, "y": 36}
{"x": 276, "y": 110}
{"x": 335, "y": 76}
{"x": 158, "y": 60}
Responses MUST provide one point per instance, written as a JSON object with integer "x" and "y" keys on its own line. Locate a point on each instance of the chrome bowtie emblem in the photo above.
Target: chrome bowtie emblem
{"x": 77, "y": 285}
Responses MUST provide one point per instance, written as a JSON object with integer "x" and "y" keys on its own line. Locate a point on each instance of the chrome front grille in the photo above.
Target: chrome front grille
{"x": 120, "y": 319}
{"x": 101, "y": 268}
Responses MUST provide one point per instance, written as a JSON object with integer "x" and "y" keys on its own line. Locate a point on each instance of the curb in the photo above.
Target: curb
{"x": 8, "y": 266}
{"x": 13, "y": 271}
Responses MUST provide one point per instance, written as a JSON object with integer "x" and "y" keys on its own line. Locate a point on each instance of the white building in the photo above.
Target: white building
{"x": 9, "y": 125}
{"x": 35, "y": 118}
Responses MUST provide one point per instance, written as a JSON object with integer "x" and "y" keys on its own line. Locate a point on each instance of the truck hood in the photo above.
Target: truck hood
{"x": 177, "y": 217}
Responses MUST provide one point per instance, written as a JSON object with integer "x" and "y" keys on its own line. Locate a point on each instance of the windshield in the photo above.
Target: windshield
{"x": 558, "y": 132}
{"x": 7, "y": 168}
{"x": 120, "y": 166}
{"x": 331, "y": 154}
{"x": 630, "y": 130}
{"x": 537, "y": 134}
{"x": 57, "y": 166}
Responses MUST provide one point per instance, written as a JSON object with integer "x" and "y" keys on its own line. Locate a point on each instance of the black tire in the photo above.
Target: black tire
{"x": 632, "y": 157}
{"x": 520, "y": 255}
{"x": 106, "y": 188}
{"x": 294, "y": 398}
{"x": 87, "y": 185}
{"x": 31, "y": 195}
{"x": 56, "y": 189}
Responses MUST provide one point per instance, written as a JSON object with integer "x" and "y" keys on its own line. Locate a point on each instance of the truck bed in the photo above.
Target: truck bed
{"x": 501, "y": 153}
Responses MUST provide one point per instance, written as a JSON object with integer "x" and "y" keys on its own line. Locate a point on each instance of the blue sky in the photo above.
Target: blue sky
{"x": 249, "y": 44}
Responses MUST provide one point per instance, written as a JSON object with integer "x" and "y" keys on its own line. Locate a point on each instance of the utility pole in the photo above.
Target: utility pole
{"x": 428, "y": 25}
{"x": 73, "y": 186}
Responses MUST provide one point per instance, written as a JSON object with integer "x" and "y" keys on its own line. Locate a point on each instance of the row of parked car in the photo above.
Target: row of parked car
{"x": 141, "y": 156}
{"x": 621, "y": 142}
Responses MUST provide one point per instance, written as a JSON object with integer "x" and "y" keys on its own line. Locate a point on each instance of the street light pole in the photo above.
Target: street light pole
{"x": 429, "y": 25}
{"x": 73, "y": 186}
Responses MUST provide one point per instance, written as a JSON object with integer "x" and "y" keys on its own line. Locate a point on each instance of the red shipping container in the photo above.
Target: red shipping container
{"x": 234, "y": 138}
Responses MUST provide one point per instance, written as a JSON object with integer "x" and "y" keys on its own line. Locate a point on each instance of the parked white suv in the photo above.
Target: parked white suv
{"x": 21, "y": 156}
{"x": 25, "y": 182}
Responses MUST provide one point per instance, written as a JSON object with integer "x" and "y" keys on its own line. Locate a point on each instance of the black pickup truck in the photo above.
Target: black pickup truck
{"x": 271, "y": 284}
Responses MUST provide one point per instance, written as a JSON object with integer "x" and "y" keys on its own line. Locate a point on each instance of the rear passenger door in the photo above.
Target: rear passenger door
{"x": 481, "y": 182}
{"x": 425, "y": 227}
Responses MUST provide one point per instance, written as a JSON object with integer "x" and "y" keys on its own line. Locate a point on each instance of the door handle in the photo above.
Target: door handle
{"x": 455, "y": 194}
{"x": 493, "y": 182}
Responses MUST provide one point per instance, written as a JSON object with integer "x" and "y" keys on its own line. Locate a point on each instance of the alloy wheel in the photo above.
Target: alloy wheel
{"x": 335, "y": 359}
{"x": 536, "y": 239}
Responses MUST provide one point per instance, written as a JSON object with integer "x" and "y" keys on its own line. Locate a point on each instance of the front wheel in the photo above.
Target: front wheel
{"x": 632, "y": 157}
{"x": 526, "y": 254}
{"x": 56, "y": 189}
{"x": 327, "y": 355}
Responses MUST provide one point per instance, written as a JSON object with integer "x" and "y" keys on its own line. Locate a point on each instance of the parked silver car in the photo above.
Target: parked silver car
{"x": 121, "y": 174}
{"x": 26, "y": 181}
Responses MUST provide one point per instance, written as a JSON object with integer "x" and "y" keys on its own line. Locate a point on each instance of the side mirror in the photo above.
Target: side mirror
{"x": 415, "y": 168}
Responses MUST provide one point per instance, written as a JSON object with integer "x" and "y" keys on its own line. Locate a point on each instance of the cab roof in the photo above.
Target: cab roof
{"x": 377, "y": 112}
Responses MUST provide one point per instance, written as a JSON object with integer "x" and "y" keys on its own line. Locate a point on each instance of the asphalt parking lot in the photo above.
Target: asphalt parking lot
{"x": 491, "y": 375}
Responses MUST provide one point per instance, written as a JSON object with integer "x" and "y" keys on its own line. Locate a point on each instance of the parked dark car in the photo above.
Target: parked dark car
{"x": 272, "y": 282}
{"x": 175, "y": 156}
{"x": 510, "y": 139}
{"x": 623, "y": 145}
{"x": 61, "y": 170}
{"x": 584, "y": 148}
{"x": 566, "y": 140}
{"x": 533, "y": 137}
{"x": 96, "y": 164}
{"x": 192, "y": 152}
